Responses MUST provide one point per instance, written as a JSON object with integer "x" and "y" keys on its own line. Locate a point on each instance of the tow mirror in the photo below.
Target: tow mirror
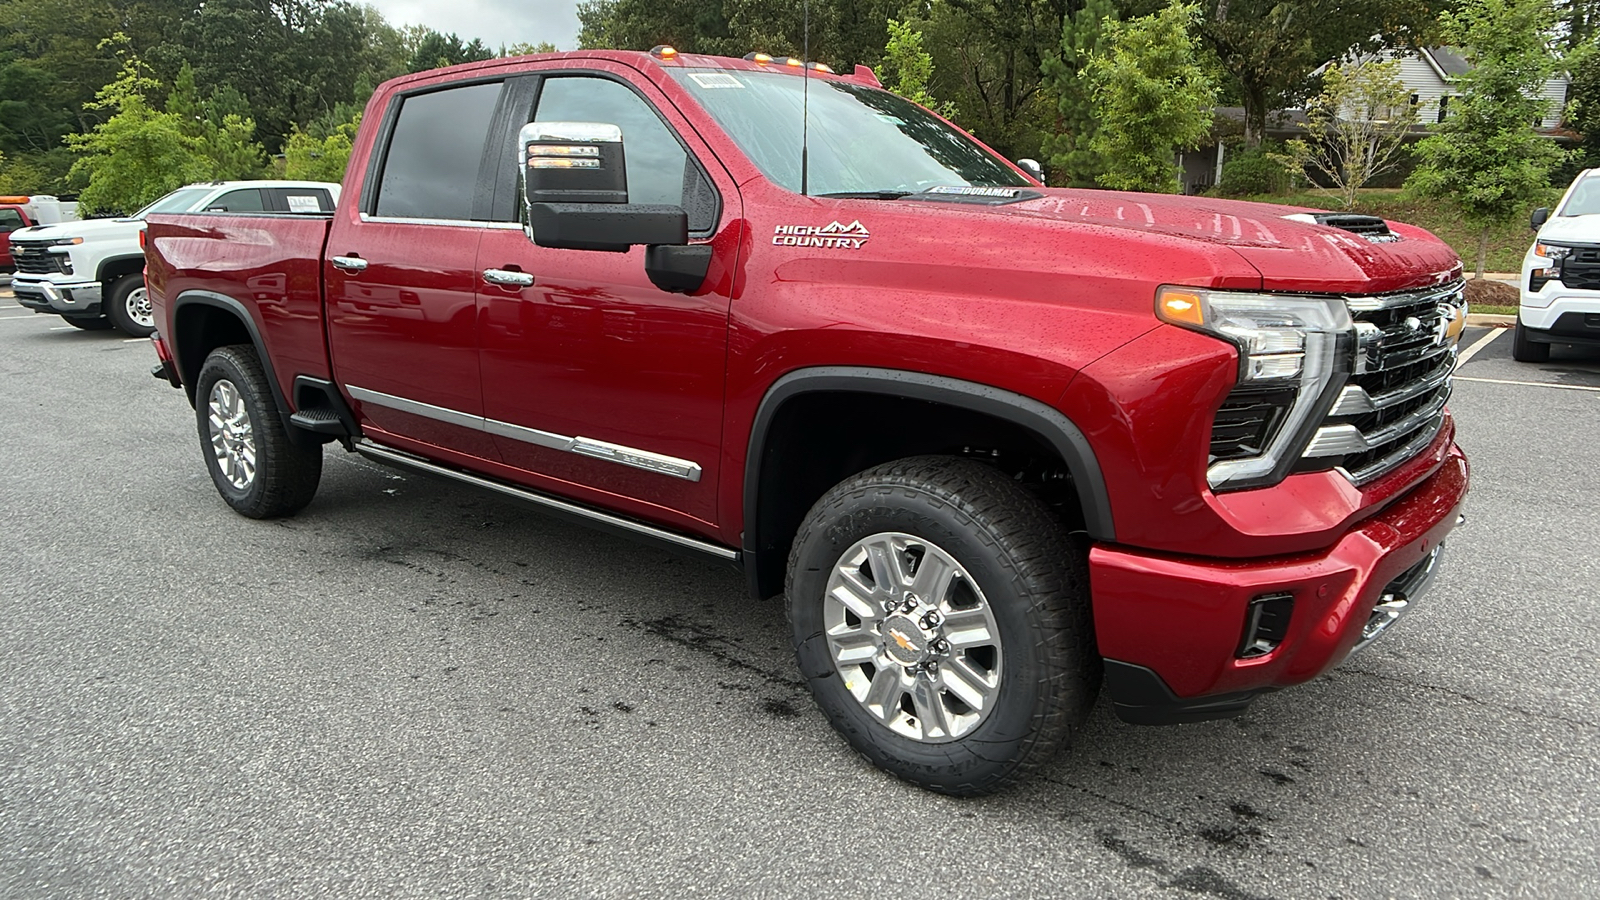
{"x": 1032, "y": 167}
{"x": 575, "y": 188}
{"x": 1540, "y": 216}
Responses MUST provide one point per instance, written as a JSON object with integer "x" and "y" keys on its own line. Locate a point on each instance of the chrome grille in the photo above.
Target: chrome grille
{"x": 1392, "y": 407}
{"x": 34, "y": 259}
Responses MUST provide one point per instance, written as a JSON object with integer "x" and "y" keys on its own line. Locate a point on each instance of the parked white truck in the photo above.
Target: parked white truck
{"x": 91, "y": 273}
{"x": 1561, "y": 275}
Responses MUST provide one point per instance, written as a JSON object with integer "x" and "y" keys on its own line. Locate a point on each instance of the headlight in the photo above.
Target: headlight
{"x": 62, "y": 242}
{"x": 1288, "y": 358}
{"x": 1551, "y": 251}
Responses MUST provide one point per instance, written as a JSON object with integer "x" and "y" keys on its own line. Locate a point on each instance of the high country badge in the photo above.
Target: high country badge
{"x": 832, "y": 235}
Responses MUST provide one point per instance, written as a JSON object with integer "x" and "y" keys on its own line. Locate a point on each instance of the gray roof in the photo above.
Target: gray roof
{"x": 1449, "y": 60}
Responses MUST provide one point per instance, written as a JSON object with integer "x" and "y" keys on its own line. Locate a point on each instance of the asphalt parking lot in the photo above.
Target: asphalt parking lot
{"x": 409, "y": 690}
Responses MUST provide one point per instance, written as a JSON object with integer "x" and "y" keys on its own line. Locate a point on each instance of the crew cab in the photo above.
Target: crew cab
{"x": 1560, "y": 290}
{"x": 997, "y": 444}
{"x": 91, "y": 273}
{"x": 25, "y": 211}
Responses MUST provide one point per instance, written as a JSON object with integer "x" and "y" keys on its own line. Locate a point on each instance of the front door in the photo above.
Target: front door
{"x": 596, "y": 382}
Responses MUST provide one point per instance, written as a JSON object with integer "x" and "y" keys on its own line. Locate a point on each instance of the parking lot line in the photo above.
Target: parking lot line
{"x": 1565, "y": 387}
{"x": 18, "y": 318}
{"x": 1479, "y": 345}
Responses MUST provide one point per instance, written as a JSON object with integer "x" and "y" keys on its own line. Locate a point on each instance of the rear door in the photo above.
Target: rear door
{"x": 596, "y": 382}
{"x": 400, "y": 266}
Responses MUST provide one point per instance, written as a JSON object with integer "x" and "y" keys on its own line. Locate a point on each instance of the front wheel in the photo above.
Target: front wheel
{"x": 128, "y": 305}
{"x": 256, "y": 468}
{"x": 941, "y": 617}
{"x": 1525, "y": 350}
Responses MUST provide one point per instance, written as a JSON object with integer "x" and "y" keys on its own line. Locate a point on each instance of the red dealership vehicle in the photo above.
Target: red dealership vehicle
{"x": 998, "y": 444}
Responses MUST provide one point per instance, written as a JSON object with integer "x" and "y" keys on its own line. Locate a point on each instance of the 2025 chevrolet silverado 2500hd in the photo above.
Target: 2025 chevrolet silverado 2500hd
{"x": 997, "y": 443}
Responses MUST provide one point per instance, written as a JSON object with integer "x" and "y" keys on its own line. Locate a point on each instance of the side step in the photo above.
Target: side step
{"x": 320, "y": 419}
{"x": 606, "y": 521}
{"x": 319, "y": 409}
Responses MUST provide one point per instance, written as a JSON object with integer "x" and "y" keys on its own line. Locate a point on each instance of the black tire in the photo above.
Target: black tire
{"x": 1524, "y": 350}
{"x": 285, "y": 474}
{"x": 88, "y": 324}
{"x": 1033, "y": 579}
{"x": 127, "y": 304}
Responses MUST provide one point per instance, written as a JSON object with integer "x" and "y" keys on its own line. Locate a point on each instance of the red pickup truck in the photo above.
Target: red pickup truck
{"x": 998, "y": 444}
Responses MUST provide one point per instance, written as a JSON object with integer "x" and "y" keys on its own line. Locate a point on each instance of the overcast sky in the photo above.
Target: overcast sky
{"x": 496, "y": 22}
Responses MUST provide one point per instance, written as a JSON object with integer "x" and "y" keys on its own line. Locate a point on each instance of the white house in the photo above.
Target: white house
{"x": 1429, "y": 74}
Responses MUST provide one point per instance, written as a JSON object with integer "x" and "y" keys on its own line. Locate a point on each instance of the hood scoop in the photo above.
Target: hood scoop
{"x": 1372, "y": 228}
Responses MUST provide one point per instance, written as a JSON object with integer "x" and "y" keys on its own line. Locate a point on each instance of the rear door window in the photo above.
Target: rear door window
{"x": 244, "y": 200}
{"x": 435, "y": 151}
{"x": 301, "y": 200}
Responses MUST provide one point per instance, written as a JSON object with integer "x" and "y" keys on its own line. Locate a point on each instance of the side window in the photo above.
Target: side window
{"x": 246, "y": 200}
{"x": 10, "y": 220}
{"x": 659, "y": 170}
{"x": 302, "y": 200}
{"x": 431, "y": 170}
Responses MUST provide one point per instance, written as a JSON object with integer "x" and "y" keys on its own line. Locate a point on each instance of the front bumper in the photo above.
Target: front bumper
{"x": 1173, "y": 630}
{"x": 70, "y": 298}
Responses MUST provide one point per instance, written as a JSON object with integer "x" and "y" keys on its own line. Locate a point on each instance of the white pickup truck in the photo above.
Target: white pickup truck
{"x": 1561, "y": 275}
{"x": 91, "y": 273}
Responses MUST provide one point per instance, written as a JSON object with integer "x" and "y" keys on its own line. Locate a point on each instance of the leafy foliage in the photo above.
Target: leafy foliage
{"x": 1071, "y": 149}
{"x": 1485, "y": 159}
{"x": 140, "y": 152}
{"x": 309, "y": 158}
{"x": 908, "y": 68}
{"x": 1358, "y": 126}
{"x": 1152, "y": 99}
{"x": 1252, "y": 170}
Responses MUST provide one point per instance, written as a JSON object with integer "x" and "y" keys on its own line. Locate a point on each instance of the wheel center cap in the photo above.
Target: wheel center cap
{"x": 904, "y": 641}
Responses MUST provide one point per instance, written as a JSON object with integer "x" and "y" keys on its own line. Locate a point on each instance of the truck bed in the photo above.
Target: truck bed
{"x": 272, "y": 262}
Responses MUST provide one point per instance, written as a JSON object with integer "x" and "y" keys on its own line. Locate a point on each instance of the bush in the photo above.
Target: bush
{"x": 1247, "y": 172}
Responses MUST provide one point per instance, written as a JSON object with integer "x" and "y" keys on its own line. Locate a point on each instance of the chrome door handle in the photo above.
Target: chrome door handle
{"x": 508, "y": 277}
{"x": 348, "y": 263}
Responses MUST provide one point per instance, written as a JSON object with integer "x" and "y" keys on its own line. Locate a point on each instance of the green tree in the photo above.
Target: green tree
{"x": 1485, "y": 159}
{"x": 526, "y": 49}
{"x": 140, "y": 152}
{"x": 1152, "y": 98}
{"x": 1269, "y": 48}
{"x": 908, "y": 68}
{"x": 308, "y": 158}
{"x": 1070, "y": 149}
{"x": 435, "y": 51}
{"x": 1358, "y": 127}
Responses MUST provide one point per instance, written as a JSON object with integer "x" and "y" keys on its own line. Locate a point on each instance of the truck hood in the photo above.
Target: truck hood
{"x": 89, "y": 230}
{"x": 1290, "y": 254}
{"x": 1572, "y": 229}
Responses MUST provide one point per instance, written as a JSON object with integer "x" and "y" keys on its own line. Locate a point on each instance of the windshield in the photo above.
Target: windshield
{"x": 178, "y": 201}
{"x": 1585, "y": 199}
{"x": 861, "y": 140}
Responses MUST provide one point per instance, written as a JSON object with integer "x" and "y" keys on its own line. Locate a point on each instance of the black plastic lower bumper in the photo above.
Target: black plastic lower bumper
{"x": 1569, "y": 328}
{"x": 1140, "y": 697}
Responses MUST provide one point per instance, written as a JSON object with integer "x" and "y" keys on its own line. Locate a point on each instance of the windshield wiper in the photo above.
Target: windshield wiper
{"x": 866, "y": 195}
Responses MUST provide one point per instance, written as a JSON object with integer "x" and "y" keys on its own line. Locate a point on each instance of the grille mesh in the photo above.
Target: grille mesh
{"x": 33, "y": 259}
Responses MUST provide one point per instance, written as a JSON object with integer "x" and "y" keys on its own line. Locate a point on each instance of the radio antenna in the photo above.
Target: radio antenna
{"x": 805, "y": 96}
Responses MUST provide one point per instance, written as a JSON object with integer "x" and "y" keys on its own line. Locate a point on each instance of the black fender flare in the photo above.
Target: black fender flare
{"x": 108, "y": 262}
{"x": 239, "y": 311}
{"x": 1046, "y": 421}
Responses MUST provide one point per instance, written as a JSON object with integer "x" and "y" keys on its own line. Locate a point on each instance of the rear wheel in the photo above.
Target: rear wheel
{"x": 941, "y": 617}
{"x": 1525, "y": 350}
{"x": 128, "y": 305}
{"x": 256, "y": 468}
{"x": 87, "y": 324}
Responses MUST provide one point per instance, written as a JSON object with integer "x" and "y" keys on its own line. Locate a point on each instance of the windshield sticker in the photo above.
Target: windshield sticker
{"x": 710, "y": 80}
{"x": 302, "y": 204}
{"x": 832, "y": 235}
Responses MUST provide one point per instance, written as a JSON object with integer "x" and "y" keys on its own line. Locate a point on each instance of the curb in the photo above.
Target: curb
{"x": 1487, "y": 320}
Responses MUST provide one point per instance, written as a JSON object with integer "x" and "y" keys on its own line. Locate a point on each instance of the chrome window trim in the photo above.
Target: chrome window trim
{"x": 459, "y": 223}
{"x": 632, "y": 457}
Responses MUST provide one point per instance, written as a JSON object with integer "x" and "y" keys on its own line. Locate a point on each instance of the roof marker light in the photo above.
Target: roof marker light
{"x": 822, "y": 67}
{"x": 663, "y": 51}
{"x": 791, "y": 61}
